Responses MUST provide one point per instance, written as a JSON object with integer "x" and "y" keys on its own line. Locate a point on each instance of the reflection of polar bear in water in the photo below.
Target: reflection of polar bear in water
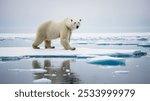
{"x": 54, "y": 29}
{"x": 59, "y": 75}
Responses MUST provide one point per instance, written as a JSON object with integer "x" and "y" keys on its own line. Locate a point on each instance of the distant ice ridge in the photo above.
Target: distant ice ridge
{"x": 116, "y": 43}
{"x": 90, "y": 38}
{"x": 106, "y": 60}
{"x": 12, "y": 36}
{"x": 110, "y": 38}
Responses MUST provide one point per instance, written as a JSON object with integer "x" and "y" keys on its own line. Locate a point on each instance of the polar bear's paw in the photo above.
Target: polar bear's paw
{"x": 35, "y": 47}
{"x": 73, "y": 48}
{"x": 52, "y": 47}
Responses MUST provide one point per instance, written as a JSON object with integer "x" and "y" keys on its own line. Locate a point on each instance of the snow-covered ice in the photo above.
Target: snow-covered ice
{"x": 28, "y": 52}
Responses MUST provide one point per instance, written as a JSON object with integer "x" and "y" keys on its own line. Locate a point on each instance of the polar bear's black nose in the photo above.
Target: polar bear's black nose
{"x": 77, "y": 27}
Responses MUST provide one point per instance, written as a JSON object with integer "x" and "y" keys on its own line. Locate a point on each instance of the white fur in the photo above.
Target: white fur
{"x": 50, "y": 30}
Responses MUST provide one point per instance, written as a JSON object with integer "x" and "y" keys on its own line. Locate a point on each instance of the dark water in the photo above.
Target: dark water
{"x": 70, "y": 71}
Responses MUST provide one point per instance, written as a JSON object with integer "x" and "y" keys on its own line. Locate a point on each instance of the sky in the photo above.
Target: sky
{"x": 98, "y": 16}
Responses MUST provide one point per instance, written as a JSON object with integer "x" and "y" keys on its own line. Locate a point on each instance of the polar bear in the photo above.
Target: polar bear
{"x": 50, "y": 30}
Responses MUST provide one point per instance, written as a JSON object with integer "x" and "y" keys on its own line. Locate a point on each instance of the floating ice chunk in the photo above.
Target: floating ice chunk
{"x": 106, "y": 60}
{"x": 67, "y": 70}
{"x": 42, "y": 80}
{"x": 144, "y": 44}
{"x": 120, "y": 55}
{"x": 136, "y": 53}
{"x": 54, "y": 75}
{"x": 30, "y": 70}
{"x": 121, "y": 72}
{"x": 139, "y": 53}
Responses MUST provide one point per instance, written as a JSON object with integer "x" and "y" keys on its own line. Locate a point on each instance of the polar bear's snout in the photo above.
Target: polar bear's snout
{"x": 75, "y": 23}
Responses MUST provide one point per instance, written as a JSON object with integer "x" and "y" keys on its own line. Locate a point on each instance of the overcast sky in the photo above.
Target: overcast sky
{"x": 97, "y": 15}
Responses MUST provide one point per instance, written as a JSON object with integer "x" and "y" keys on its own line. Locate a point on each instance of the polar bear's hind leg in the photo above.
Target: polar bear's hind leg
{"x": 37, "y": 42}
{"x": 48, "y": 44}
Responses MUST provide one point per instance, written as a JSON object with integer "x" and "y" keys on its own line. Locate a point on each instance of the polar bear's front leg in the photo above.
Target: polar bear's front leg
{"x": 66, "y": 45}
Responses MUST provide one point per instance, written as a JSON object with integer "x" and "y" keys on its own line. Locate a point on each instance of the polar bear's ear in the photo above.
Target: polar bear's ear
{"x": 80, "y": 20}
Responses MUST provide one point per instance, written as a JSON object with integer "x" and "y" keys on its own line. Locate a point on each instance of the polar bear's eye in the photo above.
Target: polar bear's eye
{"x": 71, "y": 20}
{"x": 74, "y": 22}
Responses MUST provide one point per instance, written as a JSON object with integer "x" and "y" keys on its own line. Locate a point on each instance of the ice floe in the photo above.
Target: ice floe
{"x": 136, "y": 53}
{"x": 14, "y": 53}
{"x": 144, "y": 44}
{"x": 42, "y": 80}
{"x": 106, "y": 60}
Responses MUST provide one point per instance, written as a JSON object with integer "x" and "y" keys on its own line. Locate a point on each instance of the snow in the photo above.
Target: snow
{"x": 106, "y": 60}
{"x": 14, "y": 53}
{"x": 42, "y": 80}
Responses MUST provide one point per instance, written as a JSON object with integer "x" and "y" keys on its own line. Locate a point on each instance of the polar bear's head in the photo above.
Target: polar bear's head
{"x": 72, "y": 24}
